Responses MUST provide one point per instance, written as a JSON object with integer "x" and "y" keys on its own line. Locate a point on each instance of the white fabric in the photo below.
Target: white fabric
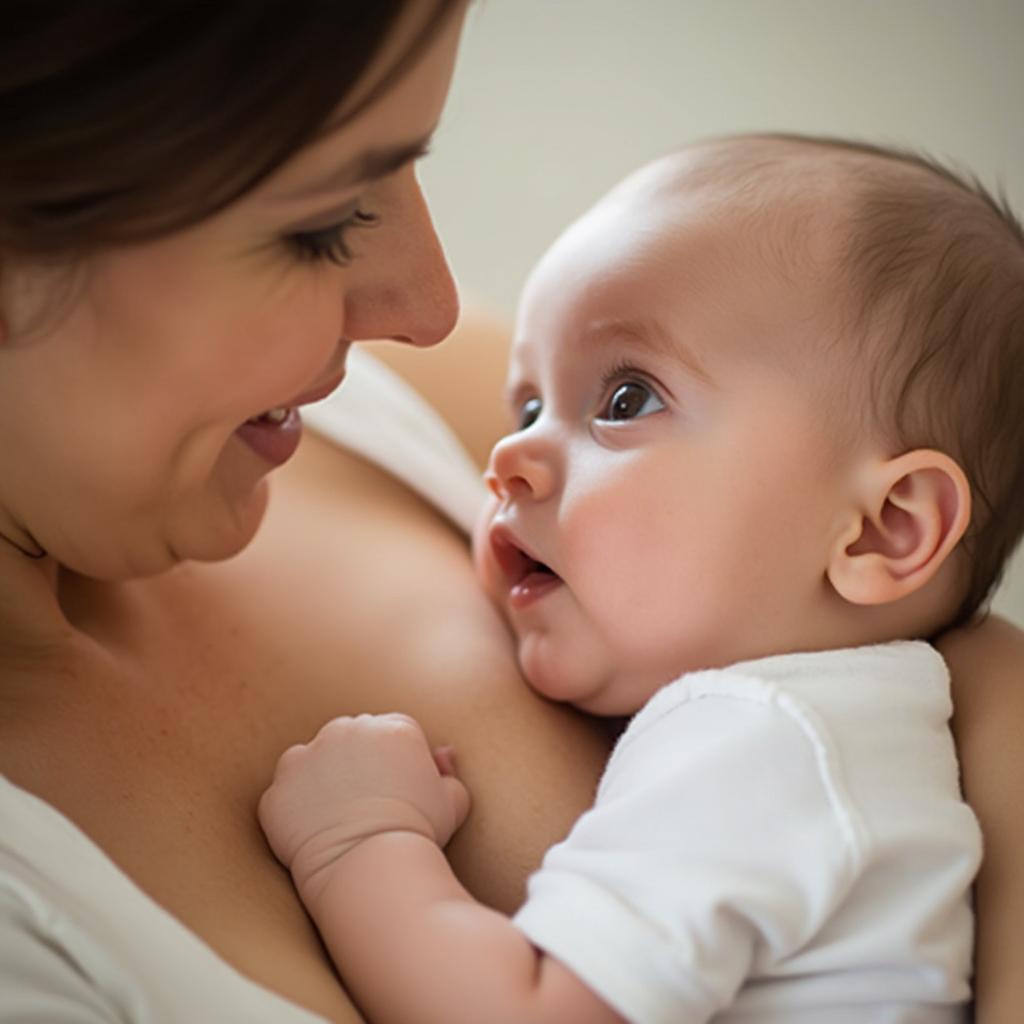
{"x": 79, "y": 942}
{"x": 780, "y": 841}
{"x": 378, "y": 415}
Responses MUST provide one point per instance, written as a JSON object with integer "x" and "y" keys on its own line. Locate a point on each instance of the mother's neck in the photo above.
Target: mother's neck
{"x": 31, "y": 617}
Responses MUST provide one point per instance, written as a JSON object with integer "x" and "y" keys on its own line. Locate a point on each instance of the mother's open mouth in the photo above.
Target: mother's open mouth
{"x": 273, "y": 435}
{"x": 272, "y": 417}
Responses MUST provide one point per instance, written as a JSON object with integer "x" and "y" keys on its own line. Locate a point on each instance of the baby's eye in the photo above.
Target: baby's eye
{"x": 529, "y": 412}
{"x": 630, "y": 400}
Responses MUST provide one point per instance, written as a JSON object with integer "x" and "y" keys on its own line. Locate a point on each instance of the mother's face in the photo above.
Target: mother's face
{"x": 126, "y": 419}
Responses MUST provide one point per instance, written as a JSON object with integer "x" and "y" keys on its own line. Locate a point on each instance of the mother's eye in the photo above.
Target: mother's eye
{"x": 630, "y": 400}
{"x": 331, "y": 242}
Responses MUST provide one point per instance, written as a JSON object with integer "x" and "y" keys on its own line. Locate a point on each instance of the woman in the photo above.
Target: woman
{"x": 201, "y": 208}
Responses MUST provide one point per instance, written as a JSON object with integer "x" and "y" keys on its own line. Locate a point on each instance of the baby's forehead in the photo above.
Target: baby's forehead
{"x": 777, "y": 193}
{"x": 705, "y": 237}
{"x": 738, "y": 209}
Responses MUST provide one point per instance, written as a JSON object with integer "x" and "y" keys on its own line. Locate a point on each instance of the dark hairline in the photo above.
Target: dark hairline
{"x": 366, "y": 166}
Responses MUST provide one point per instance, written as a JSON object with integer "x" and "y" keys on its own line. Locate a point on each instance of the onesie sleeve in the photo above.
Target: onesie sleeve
{"x": 720, "y": 841}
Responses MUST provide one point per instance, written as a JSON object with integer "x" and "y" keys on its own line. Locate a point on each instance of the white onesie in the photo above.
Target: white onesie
{"x": 777, "y": 842}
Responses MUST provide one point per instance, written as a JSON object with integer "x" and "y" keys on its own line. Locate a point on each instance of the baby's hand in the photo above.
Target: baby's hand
{"x": 359, "y": 777}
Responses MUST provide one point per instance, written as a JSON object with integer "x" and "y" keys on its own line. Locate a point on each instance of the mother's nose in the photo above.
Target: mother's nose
{"x": 401, "y": 288}
{"x": 521, "y": 466}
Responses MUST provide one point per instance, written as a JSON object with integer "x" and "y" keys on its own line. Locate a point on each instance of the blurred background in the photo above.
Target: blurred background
{"x": 555, "y": 100}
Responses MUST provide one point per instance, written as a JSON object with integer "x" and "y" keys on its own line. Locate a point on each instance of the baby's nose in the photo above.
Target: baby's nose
{"x": 520, "y": 468}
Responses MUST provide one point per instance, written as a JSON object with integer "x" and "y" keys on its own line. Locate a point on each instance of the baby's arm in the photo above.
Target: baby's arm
{"x": 987, "y": 665}
{"x": 360, "y": 816}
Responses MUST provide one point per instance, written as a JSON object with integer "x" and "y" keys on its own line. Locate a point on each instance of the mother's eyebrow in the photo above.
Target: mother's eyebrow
{"x": 368, "y": 166}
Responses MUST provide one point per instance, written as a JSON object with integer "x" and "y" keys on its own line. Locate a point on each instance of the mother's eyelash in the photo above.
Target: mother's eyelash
{"x": 331, "y": 242}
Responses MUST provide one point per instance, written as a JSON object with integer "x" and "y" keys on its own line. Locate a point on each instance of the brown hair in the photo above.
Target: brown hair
{"x": 936, "y": 262}
{"x": 123, "y": 121}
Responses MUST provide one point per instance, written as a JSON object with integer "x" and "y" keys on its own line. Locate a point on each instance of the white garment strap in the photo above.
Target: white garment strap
{"x": 377, "y": 415}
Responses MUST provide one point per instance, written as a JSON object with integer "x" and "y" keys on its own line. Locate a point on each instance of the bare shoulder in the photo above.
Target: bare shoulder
{"x": 463, "y": 378}
{"x": 987, "y": 665}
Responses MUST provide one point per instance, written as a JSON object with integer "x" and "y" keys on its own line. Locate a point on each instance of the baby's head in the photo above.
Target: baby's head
{"x": 767, "y": 397}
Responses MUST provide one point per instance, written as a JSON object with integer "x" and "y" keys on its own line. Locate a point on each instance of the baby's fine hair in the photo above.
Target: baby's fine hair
{"x": 937, "y": 264}
{"x": 934, "y": 265}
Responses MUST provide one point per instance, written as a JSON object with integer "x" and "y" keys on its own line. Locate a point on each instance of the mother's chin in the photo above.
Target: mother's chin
{"x": 217, "y": 529}
{"x": 211, "y": 529}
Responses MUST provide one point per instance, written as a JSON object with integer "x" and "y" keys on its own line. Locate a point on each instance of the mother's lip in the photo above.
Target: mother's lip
{"x": 317, "y": 393}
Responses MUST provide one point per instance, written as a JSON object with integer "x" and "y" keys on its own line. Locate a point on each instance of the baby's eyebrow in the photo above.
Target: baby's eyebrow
{"x": 649, "y": 336}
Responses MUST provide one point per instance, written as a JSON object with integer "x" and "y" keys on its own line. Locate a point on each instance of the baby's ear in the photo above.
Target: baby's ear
{"x": 911, "y": 513}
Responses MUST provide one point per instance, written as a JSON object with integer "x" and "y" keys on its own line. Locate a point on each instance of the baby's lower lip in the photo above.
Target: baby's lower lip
{"x": 532, "y": 588}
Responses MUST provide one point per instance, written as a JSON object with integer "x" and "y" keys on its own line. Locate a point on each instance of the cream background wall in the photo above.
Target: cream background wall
{"x": 555, "y": 100}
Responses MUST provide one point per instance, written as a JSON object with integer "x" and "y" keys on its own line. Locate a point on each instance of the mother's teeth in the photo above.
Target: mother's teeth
{"x": 275, "y": 415}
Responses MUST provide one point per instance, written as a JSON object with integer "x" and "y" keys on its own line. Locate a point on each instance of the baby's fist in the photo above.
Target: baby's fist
{"x": 358, "y": 777}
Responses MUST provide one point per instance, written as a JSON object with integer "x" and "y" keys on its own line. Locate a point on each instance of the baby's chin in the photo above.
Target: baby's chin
{"x": 589, "y": 688}
{"x": 607, "y": 704}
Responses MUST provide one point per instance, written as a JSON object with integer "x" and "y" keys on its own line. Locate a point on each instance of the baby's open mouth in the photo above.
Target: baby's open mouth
{"x": 533, "y": 568}
{"x": 534, "y": 580}
{"x": 524, "y": 573}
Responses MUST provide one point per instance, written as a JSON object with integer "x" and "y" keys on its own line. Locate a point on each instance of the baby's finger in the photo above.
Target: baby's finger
{"x": 399, "y": 718}
{"x": 444, "y": 758}
{"x": 459, "y": 800}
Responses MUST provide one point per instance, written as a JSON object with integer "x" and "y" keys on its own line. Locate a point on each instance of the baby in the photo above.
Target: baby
{"x": 768, "y": 440}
